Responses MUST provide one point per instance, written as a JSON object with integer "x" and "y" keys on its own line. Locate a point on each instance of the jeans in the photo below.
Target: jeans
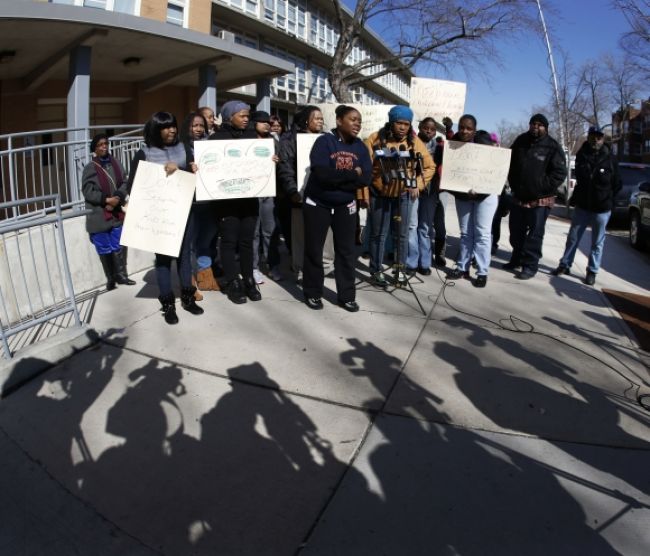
{"x": 383, "y": 210}
{"x": 163, "y": 263}
{"x": 413, "y": 250}
{"x": 475, "y": 219}
{"x": 430, "y": 224}
{"x": 527, "y": 227}
{"x": 205, "y": 244}
{"x": 107, "y": 242}
{"x": 267, "y": 230}
{"x": 579, "y": 222}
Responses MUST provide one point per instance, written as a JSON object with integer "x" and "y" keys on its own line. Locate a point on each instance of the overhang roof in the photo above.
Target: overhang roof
{"x": 42, "y": 35}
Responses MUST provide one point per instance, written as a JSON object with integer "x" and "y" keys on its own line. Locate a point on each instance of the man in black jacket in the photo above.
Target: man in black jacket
{"x": 598, "y": 182}
{"x": 537, "y": 168}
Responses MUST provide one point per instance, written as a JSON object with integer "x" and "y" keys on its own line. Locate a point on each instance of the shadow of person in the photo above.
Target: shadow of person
{"x": 267, "y": 465}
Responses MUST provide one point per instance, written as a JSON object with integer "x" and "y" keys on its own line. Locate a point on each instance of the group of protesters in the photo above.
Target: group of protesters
{"x": 233, "y": 245}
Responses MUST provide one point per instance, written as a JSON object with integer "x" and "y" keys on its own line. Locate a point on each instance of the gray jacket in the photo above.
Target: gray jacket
{"x": 96, "y": 198}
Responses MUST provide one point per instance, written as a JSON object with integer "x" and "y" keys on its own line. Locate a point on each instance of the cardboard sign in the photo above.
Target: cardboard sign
{"x": 437, "y": 98}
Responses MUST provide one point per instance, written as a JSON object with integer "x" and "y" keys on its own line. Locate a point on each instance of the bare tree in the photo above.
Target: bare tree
{"x": 636, "y": 42}
{"x": 446, "y": 33}
{"x": 508, "y": 131}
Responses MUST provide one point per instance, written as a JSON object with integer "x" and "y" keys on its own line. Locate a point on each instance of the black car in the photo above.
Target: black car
{"x": 632, "y": 175}
{"x": 639, "y": 212}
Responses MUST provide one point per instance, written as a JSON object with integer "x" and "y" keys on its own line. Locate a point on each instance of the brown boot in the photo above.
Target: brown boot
{"x": 198, "y": 296}
{"x": 205, "y": 280}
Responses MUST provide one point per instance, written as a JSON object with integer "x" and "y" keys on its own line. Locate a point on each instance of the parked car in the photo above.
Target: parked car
{"x": 632, "y": 175}
{"x": 639, "y": 212}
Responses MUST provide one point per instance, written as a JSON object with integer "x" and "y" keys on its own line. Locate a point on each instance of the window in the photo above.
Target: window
{"x": 101, "y": 4}
{"x": 176, "y": 12}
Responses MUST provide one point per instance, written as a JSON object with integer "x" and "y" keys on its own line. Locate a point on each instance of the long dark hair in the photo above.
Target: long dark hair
{"x": 301, "y": 118}
{"x": 186, "y": 128}
{"x": 152, "y": 129}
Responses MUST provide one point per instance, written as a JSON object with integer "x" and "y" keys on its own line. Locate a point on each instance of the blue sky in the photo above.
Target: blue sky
{"x": 585, "y": 29}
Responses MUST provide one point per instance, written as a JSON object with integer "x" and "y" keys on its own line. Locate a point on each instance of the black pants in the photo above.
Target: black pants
{"x": 163, "y": 263}
{"x": 237, "y": 221}
{"x": 283, "y": 211}
{"x": 527, "y": 227}
{"x": 343, "y": 223}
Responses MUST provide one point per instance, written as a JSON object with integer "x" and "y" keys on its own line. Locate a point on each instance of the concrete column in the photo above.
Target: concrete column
{"x": 78, "y": 116}
{"x": 263, "y": 96}
{"x": 208, "y": 87}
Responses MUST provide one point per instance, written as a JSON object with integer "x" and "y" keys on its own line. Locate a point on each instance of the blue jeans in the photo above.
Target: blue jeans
{"x": 413, "y": 248}
{"x": 430, "y": 224}
{"x": 579, "y": 222}
{"x": 475, "y": 219}
{"x": 382, "y": 210}
{"x": 107, "y": 242}
{"x": 163, "y": 263}
{"x": 268, "y": 231}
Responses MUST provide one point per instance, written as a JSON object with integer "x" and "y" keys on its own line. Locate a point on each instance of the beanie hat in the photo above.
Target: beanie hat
{"x": 261, "y": 116}
{"x": 400, "y": 112}
{"x": 231, "y": 108}
{"x": 539, "y": 118}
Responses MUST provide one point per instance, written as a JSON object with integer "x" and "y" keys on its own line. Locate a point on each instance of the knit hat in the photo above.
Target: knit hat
{"x": 539, "y": 118}
{"x": 261, "y": 116}
{"x": 230, "y": 108}
{"x": 400, "y": 112}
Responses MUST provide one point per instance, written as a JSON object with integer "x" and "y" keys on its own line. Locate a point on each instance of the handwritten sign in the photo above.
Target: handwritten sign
{"x": 234, "y": 169}
{"x": 304, "y": 142}
{"x": 466, "y": 166}
{"x": 373, "y": 116}
{"x": 158, "y": 209}
{"x": 437, "y": 98}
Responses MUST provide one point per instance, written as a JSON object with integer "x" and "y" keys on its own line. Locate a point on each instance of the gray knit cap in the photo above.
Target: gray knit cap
{"x": 232, "y": 107}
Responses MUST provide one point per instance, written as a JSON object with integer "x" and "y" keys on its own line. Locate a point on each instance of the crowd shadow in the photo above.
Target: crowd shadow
{"x": 440, "y": 489}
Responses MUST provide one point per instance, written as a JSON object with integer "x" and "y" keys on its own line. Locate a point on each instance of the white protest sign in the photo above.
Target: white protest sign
{"x": 234, "y": 169}
{"x": 158, "y": 209}
{"x": 437, "y": 98}
{"x": 304, "y": 143}
{"x": 373, "y": 116}
{"x": 466, "y": 166}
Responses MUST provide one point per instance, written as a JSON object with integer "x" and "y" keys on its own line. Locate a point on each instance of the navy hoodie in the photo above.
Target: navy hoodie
{"x": 333, "y": 180}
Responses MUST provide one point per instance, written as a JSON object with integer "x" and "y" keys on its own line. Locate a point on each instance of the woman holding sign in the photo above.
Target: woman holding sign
{"x": 340, "y": 164}
{"x": 163, "y": 147}
{"x": 475, "y": 213}
{"x": 237, "y": 218}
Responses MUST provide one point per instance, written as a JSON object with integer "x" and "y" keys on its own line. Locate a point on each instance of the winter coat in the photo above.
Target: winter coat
{"x": 597, "y": 179}
{"x": 537, "y": 167}
{"x": 100, "y": 220}
{"x": 393, "y": 187}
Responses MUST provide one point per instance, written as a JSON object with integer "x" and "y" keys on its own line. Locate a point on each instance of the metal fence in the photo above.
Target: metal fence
{"x": 42, "y": 163}
{"x": 35, "y": 280}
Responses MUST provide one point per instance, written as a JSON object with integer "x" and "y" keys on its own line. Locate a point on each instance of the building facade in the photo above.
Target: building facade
{"x": 631, "y": 133}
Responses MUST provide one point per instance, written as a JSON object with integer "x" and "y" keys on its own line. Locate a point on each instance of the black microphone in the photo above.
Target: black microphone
{"x": 380, "y": 154}
{"x": 405, "y": 159}
{"x": 398, "y": 168}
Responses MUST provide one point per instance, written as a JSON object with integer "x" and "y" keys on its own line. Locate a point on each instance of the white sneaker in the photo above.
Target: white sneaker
{"x": 258, "y": 276}
{"x": 275, "y": 274}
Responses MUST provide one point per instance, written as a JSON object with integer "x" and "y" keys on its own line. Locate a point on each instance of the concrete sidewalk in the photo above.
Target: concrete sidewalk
{"x": 505, "y": 421}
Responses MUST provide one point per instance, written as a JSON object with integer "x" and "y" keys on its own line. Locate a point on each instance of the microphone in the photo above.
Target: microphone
{"x": 400, "y": 172}
{"x": 405, "y": 159}
{"x": 380, "y": 155}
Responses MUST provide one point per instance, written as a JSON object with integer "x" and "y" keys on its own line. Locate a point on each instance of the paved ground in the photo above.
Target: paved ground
{"x": 505, "y": 421}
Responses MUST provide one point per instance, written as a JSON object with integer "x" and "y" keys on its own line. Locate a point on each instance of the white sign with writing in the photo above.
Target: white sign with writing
{"x": 234, "y": 169}
{"x": 373, "y": 116}
{"x": 468, "y": 166}
{"x": 304, "y": 142}
{"x": 158, "y": 209}
{"x": 437, "y": 98}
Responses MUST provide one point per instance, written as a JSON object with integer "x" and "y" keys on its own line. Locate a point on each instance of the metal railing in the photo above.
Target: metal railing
{"x": 41, "y": 163}
{"x": 35, "y": 280}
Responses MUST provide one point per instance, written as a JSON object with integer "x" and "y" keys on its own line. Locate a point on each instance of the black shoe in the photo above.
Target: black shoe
{"x": 315, "y": 303}
{"x": 510, "y": 265}
{"x": 457, "y": 273}
{"x": 107, "y": 265}
{"x": 350, "y": 306}
{"x": 561, "y": 270}
{"x": 119, "y": 269}
{"x": 410, "y": 272}
{"x": 481, "y": 281}
{"x": 590, "y": 279}
{"x": 494, "y": 249}
{"x": 525, "y": 274}
{"x": 379, "y": 280}
{"x": 188, "y": 302}
{"x": 235, "y": 291}
{"x": 424, "y": 271}
{"x": 252, "y": 291}
{"x": 168, "y": 308}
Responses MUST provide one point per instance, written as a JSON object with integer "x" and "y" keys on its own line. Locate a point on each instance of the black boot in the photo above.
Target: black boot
{"x": 188, "y": 302}
{"x": 119, "y": 269}
{"x": 107, "y": 265}
{"x": 168, "y": 308}
{"x": 235, "y": 291}
{"x": 252, "y": 291}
